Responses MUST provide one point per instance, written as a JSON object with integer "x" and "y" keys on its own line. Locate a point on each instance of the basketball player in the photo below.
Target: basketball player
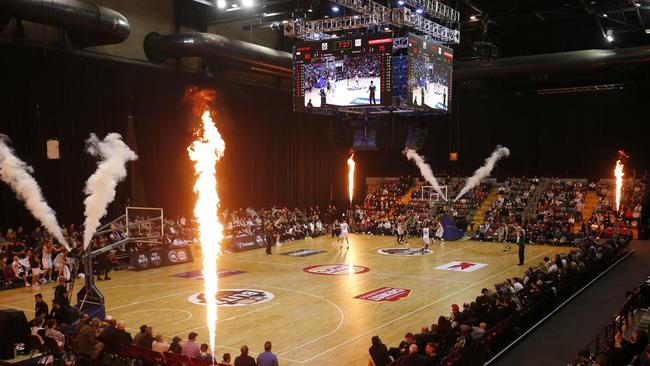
{"x": 344, "y": 234}
{"x": 521, "y": 242}
{"x": 47, "y": 260}
{"x": 400, "y": 232}
{"x": 372, "y": 89}
{"x": 440, "y": 231}
{"x": 507, "y": 248}
{"x": 323, "y": 98}
{"x": 425, "y": 239}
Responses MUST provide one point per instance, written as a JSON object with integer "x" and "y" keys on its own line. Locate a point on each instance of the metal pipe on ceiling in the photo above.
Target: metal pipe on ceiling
{"x": 159, "y": 48}
{"x": 586, "y": 60}
{"x": 87, "y": 24}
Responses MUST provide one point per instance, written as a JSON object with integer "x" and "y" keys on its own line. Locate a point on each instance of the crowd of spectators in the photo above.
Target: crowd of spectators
{"x": 470, "y": 332}
{"x": 605, "y": 221}
{"x": 63, "y": 332}
{"x": 284, "y": 224}
{"x": 558, "y": 209}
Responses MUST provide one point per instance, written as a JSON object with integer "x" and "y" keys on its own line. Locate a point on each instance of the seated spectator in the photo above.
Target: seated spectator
{"x": 116, "y": 337}
{"x": 83, "y": 320}
{"x": 40, "y": 308}
{"x": 37, "y": 329}
{"x": 147, "y": 339}
{"x": 413, "y": 358}
{"x": 204, "y": 354}
{"x": 190, "y": 347}
{"x": 244, "y": 359}
{"x": 140, "y": 335}
{"x": 378, "y": 353}
{"x": 175, "y": 346}
{"x": 267, "y": 358}
{"x": 159, "y": 344}
{"x": 55, "y": 334}
{"x": 431, "y": 351}
{"x": 226, "y": 360}
{"x": 86, "y": 341}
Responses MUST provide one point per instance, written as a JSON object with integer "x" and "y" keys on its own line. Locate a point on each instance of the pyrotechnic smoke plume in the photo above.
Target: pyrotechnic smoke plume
{"x": 425, "y": 169}
{"x": 100, "y": 187}
{"x": 16, "y": 173}
{"x": 484, "y": 171}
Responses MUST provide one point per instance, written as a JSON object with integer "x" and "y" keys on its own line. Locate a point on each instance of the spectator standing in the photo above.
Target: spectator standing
{"x": 267, "y": 358}
{"x": 190, "y": 348}
{"x": 378, "y": 353}
{"x": 244, "y": 359}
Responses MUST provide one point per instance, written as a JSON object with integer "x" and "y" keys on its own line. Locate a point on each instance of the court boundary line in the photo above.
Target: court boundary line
{"x": 416, "y": 310}
{"x": 164, "y": 309}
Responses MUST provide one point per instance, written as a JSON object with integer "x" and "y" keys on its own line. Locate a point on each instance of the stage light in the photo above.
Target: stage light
{"x": 604, "y": 15}
{"x": 285, "y": 22}
{"x": 247, "y": 3}
{"x": 610, "y": 35}
{"x": 310, "y": 10}
{"x": 610, "y": 39}
{"x": 335, "y": 9}
{"x": 356, "y": 17}
{"x": 472, "y": 17}
{"x": 647, "y": 31}
{"x": 386, "y": 29}
{"x": 400, "y": 2}
{"x": 419, "y": 10}
{"x": 234, "y": 6}
{"x": 221, "y": 4}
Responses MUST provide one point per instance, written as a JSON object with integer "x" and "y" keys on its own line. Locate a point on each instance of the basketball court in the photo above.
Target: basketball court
{"x": 315, "y": 302}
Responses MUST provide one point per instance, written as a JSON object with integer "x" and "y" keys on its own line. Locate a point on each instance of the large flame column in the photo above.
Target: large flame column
{"x": 351, "y": 165}
{"x": 618, "y": 173}
{"x": 205, "y": 151}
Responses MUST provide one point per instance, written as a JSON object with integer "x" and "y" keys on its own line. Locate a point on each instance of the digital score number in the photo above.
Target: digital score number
{"x": 343, "y": 45}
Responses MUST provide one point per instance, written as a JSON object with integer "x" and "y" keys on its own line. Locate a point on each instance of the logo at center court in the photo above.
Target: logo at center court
{"x": 336, "y": 269}
{"x": 405, "y": 252}
{"x": 234, "y": 297}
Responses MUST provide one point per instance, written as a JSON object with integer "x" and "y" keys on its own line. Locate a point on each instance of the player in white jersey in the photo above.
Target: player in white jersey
{"x": 425, "y": 239}
{"x": 440, "y": 232}
{"x": 344, "y": 234}
{"x": 400, "y": 233}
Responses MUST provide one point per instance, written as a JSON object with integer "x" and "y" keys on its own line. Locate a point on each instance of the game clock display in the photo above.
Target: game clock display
{"x": 355, "y": 71}
{"x": 429, "y": 74}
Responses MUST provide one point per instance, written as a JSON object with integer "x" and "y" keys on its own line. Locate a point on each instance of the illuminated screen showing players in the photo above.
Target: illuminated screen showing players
{"x": 343, "y": 72}
{"x": 429, "y": 74}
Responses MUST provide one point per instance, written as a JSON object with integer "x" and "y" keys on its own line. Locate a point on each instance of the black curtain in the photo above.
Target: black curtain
{"x": 273, "y": 156}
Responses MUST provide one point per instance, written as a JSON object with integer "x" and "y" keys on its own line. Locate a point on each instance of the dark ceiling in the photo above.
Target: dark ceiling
{"x": 513, "y": 27}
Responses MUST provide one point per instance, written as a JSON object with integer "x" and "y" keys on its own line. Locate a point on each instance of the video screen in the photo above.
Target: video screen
{"x": 429, "y": 74}
{"x": 343, "y": 72}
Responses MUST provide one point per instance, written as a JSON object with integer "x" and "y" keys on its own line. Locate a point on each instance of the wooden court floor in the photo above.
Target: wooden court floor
{"x": 311, "y": 318}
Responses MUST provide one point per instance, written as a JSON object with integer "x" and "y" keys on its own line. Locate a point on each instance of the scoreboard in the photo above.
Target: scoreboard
{"x": 429, "y": 74}
{"x": 346, "y": 71}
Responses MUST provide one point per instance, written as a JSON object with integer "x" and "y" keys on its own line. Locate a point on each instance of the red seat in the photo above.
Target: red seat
{"x": 199, "y": 362}
{"x": 37, "y": 345}
{"x": 151, "y": 356}
{"x": 171, "y": 359}
{"x": 184, "y": 360}
{"x": 132, "y": 351}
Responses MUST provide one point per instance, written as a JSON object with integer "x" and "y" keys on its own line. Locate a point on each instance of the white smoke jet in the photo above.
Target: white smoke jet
{"x": 484, "y": 171}
{"x": 425, "y": 170}
{"x": 17, "y": 174}
{"x": 100, "y": 187}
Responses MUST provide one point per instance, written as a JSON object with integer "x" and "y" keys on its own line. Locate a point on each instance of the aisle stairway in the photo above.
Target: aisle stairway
{"x": 479, "y": 215}
{"x": 591, "y": 200}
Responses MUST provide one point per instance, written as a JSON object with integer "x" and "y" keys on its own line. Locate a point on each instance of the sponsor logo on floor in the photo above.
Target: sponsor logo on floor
{"x": 336, "y": 269}
{"x": 303, "y": 252}
{"x": 405, "y": 252}
{"x": 198, "y": 275}
{"x": 390, "y": 294}
{"x": 234, "y": 297}
{"x": 462, "y": 266}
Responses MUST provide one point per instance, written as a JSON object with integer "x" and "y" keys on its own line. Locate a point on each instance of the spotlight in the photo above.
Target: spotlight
{"x": 610, "y": 35}
{"x": 419, "y": 10}
{"x": 310, "y": 10}
{"x": 335, "y": 8}
{"x": 388, "y": 29}
{"x": 221, "y": 4}
{"x": 247, "y": 3}
{"x": 234, "y": 6}
{"x": 356, "y": 17}
{"x": 604, "y": 15}
{"x": 400, "y": 2}
{"x": 647, "y": 31}
{"x": 636, "y": 4}
{"x": 285, "y": 22}
{"x": 610, "y": 39}
{"x": 473, "y": 17}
